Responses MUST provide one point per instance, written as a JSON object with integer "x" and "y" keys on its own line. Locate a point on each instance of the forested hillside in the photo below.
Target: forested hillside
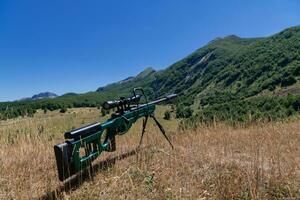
{"x": 29, "y": 107}
{"x": 230, "y": 67}
{"x": 229, "y": 78}
{"x": 234, "y": 78}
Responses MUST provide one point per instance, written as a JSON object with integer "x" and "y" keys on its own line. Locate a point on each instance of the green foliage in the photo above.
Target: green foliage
{"x": 256, "y": 109}
{"x": 289, "y": 80}
{"x": 28, "y": 108}
{"x": 167, "y": 115}
{"x": 63, "y": 110}
{"x": 183, "y": 112}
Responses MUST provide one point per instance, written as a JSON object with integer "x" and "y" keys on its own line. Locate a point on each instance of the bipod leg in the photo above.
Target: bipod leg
{"x": 162, "y": 130}
{"x": 144, "y": 129}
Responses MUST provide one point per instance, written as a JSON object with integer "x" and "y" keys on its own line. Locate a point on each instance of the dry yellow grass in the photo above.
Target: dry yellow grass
{"x": 212, "y": 162}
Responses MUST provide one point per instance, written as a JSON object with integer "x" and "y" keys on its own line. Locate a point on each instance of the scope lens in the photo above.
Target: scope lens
{"x": 106, "y": 105}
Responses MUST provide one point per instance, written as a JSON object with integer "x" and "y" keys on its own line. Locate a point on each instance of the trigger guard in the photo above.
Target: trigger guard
{"x": 125, "y": 128}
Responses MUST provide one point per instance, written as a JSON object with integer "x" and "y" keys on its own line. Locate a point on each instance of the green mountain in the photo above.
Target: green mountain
{"x": 124, "y": 87}
{"x": 230, "y": 71}
{"x": 230, "y": 77}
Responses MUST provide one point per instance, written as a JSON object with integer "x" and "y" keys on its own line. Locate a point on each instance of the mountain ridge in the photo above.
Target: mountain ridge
{"x": 223, "y": 60}
{"x": 39, "y": 96}
{"x": 44, "y": 95}
{"x": 226, "y": 70}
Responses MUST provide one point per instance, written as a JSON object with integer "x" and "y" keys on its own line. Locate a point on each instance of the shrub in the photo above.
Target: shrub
{"x": 104, "y": 112}
{"x": 288, "y": 81}
{"x": 63, "y": 110}
{"x": 184, "y": 112}
{"x": 167, "y": 115}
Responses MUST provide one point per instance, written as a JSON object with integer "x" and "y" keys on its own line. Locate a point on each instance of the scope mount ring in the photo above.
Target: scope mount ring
{"x": 142, "y": 91}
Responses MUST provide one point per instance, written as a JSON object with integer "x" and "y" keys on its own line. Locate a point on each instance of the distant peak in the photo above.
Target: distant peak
{"x": 126, "y": 79}
{"x": 44, "y": 95}
{"x": 146, "y": 72}
{"x": 226, "y": 38}
{"x": 232, "y": 37}
{"x": 70, "y": 94}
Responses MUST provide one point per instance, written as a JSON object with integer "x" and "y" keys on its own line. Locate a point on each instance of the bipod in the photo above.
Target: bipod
{"x": 162, "y": 130}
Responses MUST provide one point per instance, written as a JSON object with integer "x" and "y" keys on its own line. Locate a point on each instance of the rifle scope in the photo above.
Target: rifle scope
{"x": 122, "y": 102}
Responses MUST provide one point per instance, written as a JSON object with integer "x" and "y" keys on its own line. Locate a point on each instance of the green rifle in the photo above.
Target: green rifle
{"x": 85, "y": 144}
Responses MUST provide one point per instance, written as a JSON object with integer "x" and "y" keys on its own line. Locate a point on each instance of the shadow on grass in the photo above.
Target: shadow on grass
{"x": 77, "y": 180}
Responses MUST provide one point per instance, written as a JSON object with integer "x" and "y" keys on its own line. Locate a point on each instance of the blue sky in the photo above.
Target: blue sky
{"x": 78, "y": 45}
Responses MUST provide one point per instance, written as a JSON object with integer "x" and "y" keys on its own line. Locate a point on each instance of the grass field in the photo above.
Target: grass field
{"x": 215, "y": 161}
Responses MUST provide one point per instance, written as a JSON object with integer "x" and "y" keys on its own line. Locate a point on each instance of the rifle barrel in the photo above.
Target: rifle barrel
{"x": 167, "y": 98}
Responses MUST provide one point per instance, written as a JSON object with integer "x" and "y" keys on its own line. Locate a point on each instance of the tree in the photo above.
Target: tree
{"x": 290, "y": 80}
